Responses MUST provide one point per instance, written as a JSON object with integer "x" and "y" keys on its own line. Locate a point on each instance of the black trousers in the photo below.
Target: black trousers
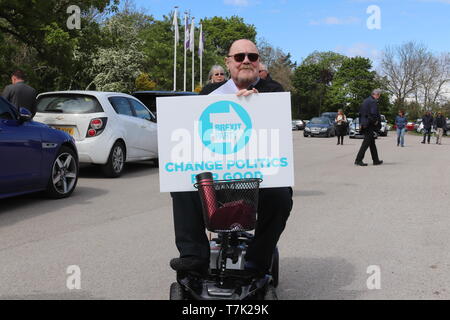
{"x": 274, "y": 207}
{"x": 369, "y": 142}
{"x": 427, "y": 132}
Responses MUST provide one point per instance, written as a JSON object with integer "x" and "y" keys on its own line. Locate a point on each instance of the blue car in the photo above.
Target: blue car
{"x": 34, "y": 157}
{"x": 317, "y": 127}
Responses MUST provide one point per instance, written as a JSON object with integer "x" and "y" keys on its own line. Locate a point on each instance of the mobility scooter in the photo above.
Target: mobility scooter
{"x": 230, "y": 211}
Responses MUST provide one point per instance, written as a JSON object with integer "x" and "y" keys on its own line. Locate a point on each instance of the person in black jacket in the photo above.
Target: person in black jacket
{"x": 370, "y": 121}
{"x": 427, "y": 121}
{"x": 19, "y": 93}
{"x": 275, "y": 204}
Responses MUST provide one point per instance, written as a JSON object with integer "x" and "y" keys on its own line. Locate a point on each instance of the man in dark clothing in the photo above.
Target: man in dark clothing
{"x": 427, "y": 121}
{"x": 274, "y": 204}
{"x": 19, "y": 93}
{"x": 265, "y": 75}
{"x": 369, "y": 120}
{"x": 440, "y": 123}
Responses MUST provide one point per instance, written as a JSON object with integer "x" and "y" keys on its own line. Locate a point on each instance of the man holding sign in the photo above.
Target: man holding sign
{"x": 275, "y": 204}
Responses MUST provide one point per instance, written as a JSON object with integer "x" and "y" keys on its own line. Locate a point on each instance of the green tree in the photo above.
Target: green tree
{"x": 352, "y": 83}
{"x": 41, "y": 27}
{"x": 312, "y": 80}
{"x": 159, "y": 45}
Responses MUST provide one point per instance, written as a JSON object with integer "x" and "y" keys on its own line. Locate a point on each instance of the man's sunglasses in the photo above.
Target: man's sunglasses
{"x": 240, "y": 57}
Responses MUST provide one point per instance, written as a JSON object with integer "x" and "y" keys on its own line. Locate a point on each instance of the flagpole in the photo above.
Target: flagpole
{"x": 175, "y": 52}
{"x": 185, "y": 47}
{"x": 201, "y": 54}
{"x": 193, "y": 52}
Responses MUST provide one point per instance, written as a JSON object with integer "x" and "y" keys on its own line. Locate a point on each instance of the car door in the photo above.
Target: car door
{"x": 129, "y": 123}
{"x": 20, "y": 152}
{"x": 147, "y": 123}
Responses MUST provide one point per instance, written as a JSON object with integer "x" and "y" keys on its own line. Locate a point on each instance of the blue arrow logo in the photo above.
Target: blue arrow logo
{"x": 225, "y": 127}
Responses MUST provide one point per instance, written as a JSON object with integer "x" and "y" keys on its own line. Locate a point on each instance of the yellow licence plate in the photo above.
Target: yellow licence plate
{"x": 70, "y": 131}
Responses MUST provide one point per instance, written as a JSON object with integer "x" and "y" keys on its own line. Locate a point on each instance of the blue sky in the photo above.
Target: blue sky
{"x": 301, "y": 27}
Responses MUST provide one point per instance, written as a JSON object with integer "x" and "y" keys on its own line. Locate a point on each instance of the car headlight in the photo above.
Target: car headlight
{"x": 323, "y": 129}
{"x": 307, "y": 129}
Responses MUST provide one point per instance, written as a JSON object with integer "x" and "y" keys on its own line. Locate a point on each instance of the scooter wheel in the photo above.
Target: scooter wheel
{"x": 271, "y": 293}
{"x": 176, "y": 292}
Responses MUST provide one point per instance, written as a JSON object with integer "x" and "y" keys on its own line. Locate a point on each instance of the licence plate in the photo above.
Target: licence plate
{"x": 70, "y": 131}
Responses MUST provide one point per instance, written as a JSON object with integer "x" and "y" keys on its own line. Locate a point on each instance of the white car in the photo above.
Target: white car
{"x": 109, "y": 128}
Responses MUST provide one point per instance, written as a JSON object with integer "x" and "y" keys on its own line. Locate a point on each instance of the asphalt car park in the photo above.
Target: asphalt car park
{"x": 346, "y": 219}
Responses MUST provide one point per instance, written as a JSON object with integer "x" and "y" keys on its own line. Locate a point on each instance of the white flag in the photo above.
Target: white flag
{"x": 192, "y": 37}
{"x": 186, "y": 32}
{"x": 175, "y": 24}
{"x": 201, "y": 42}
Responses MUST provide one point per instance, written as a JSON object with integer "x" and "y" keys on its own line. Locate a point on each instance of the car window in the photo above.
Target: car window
{"x": 68, "y": 104}
{"x": 141, "y": 111}
{"x": 5, "y": 111}
{"x": 121, "y": 106}
{"x": 320, "y": 121}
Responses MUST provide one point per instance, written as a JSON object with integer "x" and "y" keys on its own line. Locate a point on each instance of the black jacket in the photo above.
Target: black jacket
{"x": 261, "y": 86}
{"x": 427, "y": 121}
{"x": 440, "y": 122}
{"x": 369, "y": 116}
{"x": 21, "y": 95}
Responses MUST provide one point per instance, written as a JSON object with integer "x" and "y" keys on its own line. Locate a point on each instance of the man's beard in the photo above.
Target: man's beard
{"x": 245, "y": 79}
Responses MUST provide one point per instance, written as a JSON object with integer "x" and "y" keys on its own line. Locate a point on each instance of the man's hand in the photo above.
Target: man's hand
{"x": 246, "y": 93}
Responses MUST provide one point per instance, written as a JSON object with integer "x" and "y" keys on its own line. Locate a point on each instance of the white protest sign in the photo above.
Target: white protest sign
{"x": 232, "y": 137}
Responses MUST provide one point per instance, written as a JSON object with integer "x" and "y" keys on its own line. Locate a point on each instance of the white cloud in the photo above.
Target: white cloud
{"x": 360, "y": 50}
{"x": 335, "y": 21}
{"x": 237, "y": 3}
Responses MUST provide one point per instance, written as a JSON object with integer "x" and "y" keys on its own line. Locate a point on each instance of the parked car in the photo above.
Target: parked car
{"x": 300, "y": 125}
{"x": 330, "y": 115}
{"x": 320, "y": 127}
{"x": 417, "y": 124}
{"x": 294, "y": 125}
{"x": 109, "y": 128}
{"x": 410, "y": 126}
{"x": 384, "y": 127}
{"x": 420, "y": 129}
{"x": 34, "y": 157}
{"x": 355, "y": 130}
{"x": 148, "y": 98}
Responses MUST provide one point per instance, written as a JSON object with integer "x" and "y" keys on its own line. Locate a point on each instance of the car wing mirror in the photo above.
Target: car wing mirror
{"x": 25, "y": 115}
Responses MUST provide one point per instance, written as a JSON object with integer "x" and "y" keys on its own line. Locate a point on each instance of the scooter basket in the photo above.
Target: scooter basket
{"x": 229, "y": 205}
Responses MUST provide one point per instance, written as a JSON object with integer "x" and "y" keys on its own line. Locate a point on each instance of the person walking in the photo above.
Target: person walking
{"x": 427, "y": 121}
{"x": 440, "y": 124}
{"x": 20, "y": 94}
{"x": 341, "y": 126}
{"x": 400, "y": 122}
{"x": 370, "y": 121}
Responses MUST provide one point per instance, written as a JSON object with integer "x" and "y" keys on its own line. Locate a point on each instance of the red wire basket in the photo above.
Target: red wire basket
{"x": 229, "y": 205}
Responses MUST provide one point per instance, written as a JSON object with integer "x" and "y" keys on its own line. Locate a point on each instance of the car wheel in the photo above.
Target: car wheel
{"x": 305, "y": 135}
{"x": 64, "y": 176}
{"x": 116, "y": 161}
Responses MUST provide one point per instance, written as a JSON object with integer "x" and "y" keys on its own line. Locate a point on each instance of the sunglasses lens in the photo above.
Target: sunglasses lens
{"x": 239, "y": 57}
{"x": 253, "y": 57}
